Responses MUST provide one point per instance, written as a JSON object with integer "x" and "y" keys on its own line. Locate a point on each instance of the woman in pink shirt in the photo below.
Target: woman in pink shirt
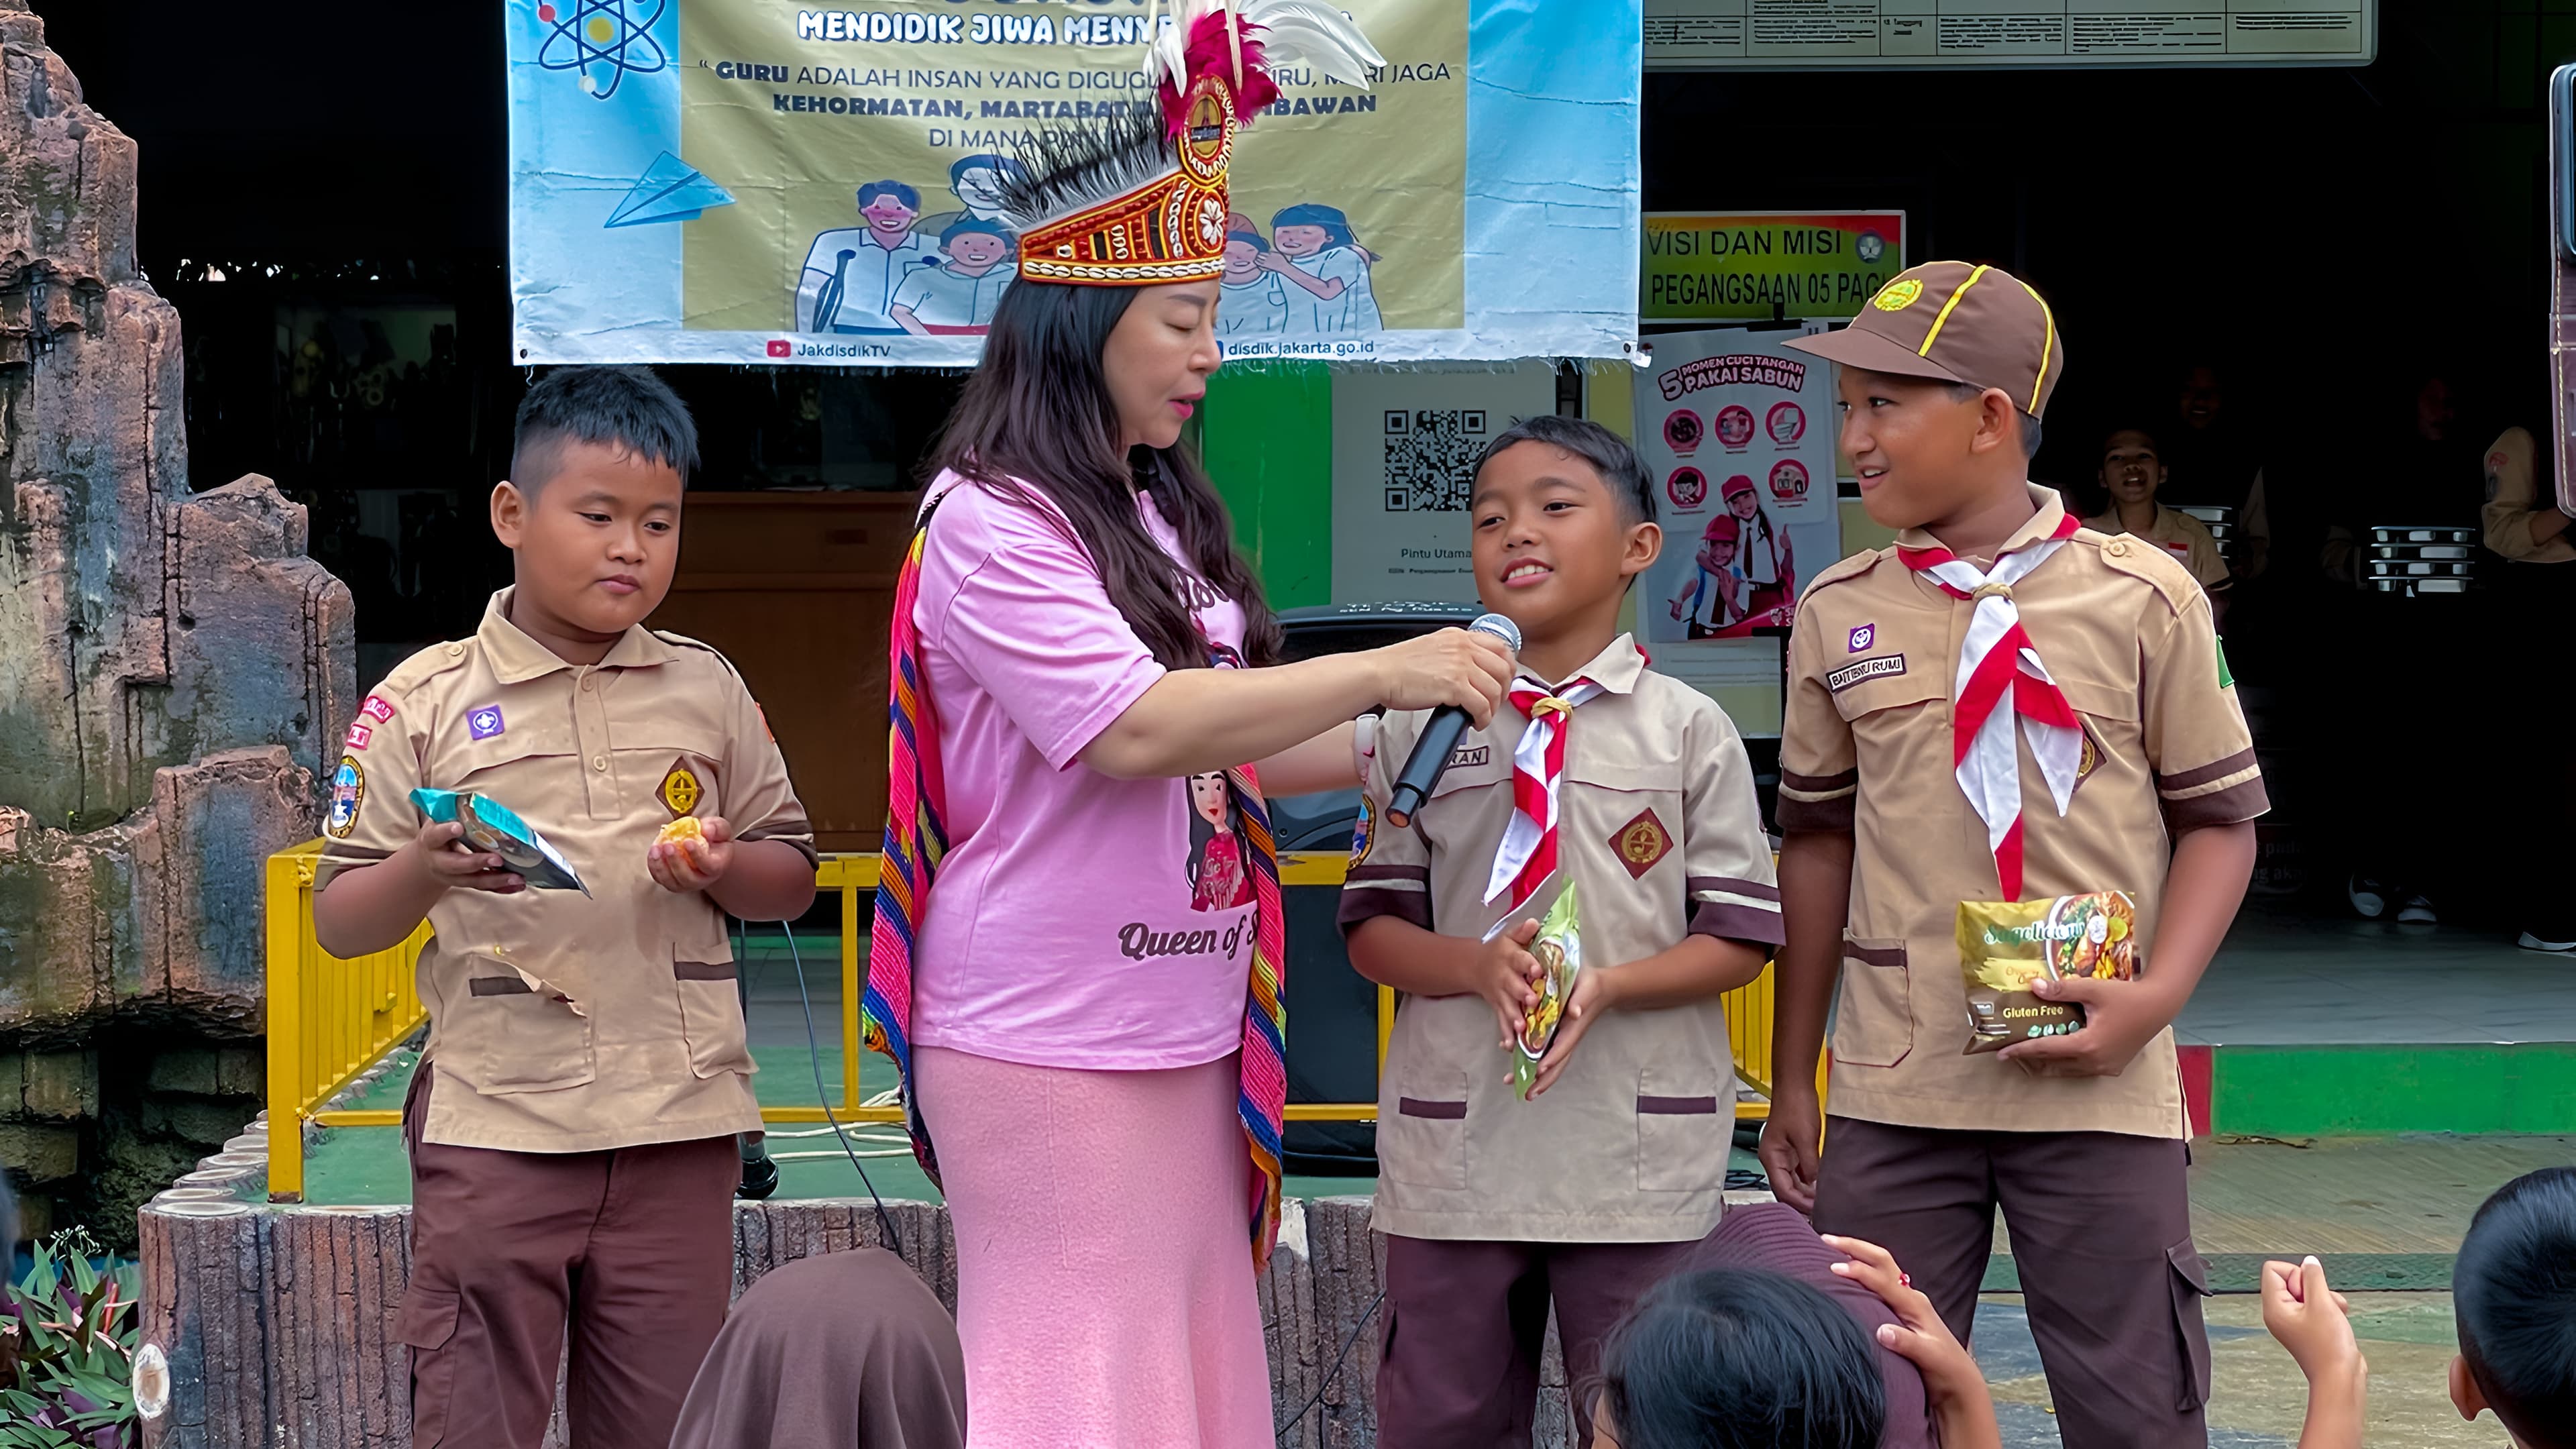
{"x": 1096, "y": 657}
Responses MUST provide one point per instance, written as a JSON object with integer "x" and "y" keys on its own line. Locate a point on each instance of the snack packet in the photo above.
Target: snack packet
{"x": 1559, "y": 949}
{"x": 2004, "y": 946}
{"x": 493, "y": 826}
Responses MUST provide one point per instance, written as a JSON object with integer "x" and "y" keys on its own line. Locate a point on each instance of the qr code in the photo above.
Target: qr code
{"x": 1431, "y": 458}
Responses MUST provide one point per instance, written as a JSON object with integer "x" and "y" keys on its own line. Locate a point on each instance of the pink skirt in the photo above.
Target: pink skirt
{"x": 1105, "y": 1284}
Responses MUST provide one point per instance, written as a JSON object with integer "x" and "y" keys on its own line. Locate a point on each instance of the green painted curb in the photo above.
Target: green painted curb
{"x": 2343, "y": 1091}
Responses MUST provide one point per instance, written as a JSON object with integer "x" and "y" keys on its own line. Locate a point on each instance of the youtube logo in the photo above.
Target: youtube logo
{"x": 778, "y": 347}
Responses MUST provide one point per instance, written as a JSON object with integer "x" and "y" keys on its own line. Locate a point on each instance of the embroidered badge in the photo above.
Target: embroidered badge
{"x": 1364, "y": 833}
{"x": 1851, "y": 674}
{"x": 1478, "y": 755}
{"x": 681, "y": 790}
{"x": 376, "y": 709}
{"x": 485, "y": 723}
{"x": 1898, "y": 296}
{"x": 1642, "y": 842}
{"x": 359, "y": 734}
{"x": 2226, "y": 676}
{"x": 348, "y": 792}
{"x": 1862, "y": 638}
{"x": 2087, "y": 762}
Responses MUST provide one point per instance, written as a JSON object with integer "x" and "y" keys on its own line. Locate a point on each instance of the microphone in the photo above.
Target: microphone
{"x": 1439, "y": 737}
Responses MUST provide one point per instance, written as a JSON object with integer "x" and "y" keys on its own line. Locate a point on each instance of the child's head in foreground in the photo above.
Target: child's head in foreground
{"x": 2514, "y": 1291}
{"x": 1942, "y": 381}
{"x": 591, "y": 508}
{"x": 1564, "y": 520}
{"x": 1731, "y": 1358}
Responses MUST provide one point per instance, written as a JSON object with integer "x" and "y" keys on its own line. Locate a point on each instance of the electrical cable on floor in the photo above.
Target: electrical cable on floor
{"x": 823, "y": 1096}
{"x": 1335, "y": 1371}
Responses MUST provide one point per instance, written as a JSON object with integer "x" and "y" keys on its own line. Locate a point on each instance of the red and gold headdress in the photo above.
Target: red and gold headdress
{"x": 1140, "y": 200}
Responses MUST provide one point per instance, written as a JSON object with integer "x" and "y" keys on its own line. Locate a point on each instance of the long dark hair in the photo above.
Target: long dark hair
{"x": 1738, "y": 1358}
{"x": 1036, "y": 418}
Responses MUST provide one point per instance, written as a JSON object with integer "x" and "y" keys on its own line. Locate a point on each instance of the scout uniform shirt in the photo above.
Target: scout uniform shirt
{"x": 559, "y": 1023}
{"x": 1867, "y": 748}
{"x": 1658, "y": 829}
{"x": 2513, "y": 495}
{"x": 2185, "y": 537}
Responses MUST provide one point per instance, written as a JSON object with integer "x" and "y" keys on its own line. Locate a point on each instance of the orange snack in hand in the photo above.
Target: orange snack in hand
{"x": 684, "y": 828}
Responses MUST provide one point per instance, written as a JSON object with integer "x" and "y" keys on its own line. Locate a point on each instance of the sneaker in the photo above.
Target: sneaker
{"x": 2530, "y": 942}
{"x": 2369, "y": 899}
{"x": 2417, "y": 912}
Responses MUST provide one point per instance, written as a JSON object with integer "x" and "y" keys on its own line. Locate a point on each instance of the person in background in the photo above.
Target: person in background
{"x": 2213, "y": 457}
{"x": 2132, "y": 474}
{"x": 839, "y": 1351}
{"x": 2533, "y": 592}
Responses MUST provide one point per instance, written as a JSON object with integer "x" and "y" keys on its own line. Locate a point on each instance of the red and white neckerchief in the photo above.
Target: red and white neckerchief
{"x": 1527, "y": 856}
{"x": 2000, "y": 677}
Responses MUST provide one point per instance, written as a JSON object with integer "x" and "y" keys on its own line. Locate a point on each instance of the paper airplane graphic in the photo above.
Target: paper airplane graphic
{"x": 669, "y": 190}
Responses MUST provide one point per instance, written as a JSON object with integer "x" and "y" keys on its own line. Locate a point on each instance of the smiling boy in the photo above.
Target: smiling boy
{"x": 2003, "y": 707}
{"x": 1637, "y": 788}
{"x": 572, "y": 1123}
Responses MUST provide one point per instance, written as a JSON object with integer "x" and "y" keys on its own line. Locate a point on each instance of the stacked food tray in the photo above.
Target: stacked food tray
{"x": 2412, "y": 560}
{"x": 2220, "y": 520}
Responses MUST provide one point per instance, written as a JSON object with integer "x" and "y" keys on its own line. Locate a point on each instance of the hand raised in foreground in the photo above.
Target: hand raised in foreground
{"x": 1952, "y": 1383}
{"x": 2314, "y": 1323}
{"x": 684, "y": 865}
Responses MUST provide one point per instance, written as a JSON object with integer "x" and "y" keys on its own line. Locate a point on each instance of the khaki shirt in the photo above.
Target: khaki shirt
{"x": 2185, "y": 537}
{"x": 2513, "y": 496}
{"x": 1867, "y": 748}
{"x": 1660, "y": 833}
{"x": 560, "y": 1023}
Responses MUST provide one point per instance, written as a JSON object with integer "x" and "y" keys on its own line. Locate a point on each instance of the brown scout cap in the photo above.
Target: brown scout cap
{"x": 1955, "y": 322}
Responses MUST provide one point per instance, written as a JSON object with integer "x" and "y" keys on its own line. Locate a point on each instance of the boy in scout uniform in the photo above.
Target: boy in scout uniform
{"x": 2004, "y": 706}
{"x": 572, "y": 1125}
{"x": 2133, "y": 472}
{"x": 1634, "y": 788}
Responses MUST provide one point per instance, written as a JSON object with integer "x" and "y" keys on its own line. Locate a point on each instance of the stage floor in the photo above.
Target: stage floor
{"x": 2295, "y": 978}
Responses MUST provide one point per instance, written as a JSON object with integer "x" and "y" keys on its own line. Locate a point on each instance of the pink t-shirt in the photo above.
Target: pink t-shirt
{"x": 1077, "y": 920}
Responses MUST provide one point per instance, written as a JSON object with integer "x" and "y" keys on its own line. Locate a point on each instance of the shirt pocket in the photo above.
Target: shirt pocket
{"x": 1916, "y": 679}
{"x": 1685, "y": 1126}
{"x": 1631, "y": 809}
{"x": 1424, "y": 1144}
{"x": 711, "y": 1021}
{"x": 1874, "y": 1018}
{"x": 2110, "y": 716}
{"x": 512, "y": 1031}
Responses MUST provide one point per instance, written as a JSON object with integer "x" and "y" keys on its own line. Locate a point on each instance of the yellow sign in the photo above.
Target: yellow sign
{"x": 1760, "y": 266}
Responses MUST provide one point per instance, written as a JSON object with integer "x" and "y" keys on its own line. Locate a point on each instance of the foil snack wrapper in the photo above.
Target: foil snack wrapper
{"x": 2004, "y": 946}
{"x": 493, "y": 826}
{"x": 1559, "y": 949}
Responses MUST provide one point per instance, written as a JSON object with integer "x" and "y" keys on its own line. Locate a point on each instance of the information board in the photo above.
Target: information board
{"x": 1763, "y": 266}
{"x": 1823, "y": 34}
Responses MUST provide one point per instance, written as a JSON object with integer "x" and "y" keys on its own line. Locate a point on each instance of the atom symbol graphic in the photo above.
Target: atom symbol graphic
{"x": 613, "y": 34}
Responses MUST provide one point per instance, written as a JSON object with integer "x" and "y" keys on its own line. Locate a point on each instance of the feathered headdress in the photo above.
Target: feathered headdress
{"x": 1140, "y": 199}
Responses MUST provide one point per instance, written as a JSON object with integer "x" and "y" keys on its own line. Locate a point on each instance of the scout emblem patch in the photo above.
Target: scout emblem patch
{"x": 1898, "y": 296}
{"x": 1642, "y": 842}
{"x": 348, "y": 792}
{"x": 1862, "y": 638}
{"x": 485, "y": 723}
{"x": 1363, "y": 834}
{"x": 680, "y": 789}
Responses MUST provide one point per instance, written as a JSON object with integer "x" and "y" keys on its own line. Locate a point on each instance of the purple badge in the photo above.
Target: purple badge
{"x": 1863, "y": 637}
{"x": 484, "y": 723}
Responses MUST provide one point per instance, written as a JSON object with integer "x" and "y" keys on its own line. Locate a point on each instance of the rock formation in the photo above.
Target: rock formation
{"x": 171, "y": 665}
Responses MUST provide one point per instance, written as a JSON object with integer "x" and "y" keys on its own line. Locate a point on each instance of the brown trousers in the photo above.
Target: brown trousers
{"x": 1464, "y": 1324}
{"x": 2101, "y": 1236}
{"x": 633, "y": 1246}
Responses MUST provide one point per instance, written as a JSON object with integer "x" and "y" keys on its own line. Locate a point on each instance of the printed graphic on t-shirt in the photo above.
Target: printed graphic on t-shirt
{"x": 1219, "y": 869}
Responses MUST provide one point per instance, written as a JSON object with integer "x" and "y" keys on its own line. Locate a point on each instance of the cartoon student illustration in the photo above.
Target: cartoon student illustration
{"x": 1253, "y": 301}
{"x": 957, "y": 298}
{"x": 977, "y": 183}
{"x": 851, "y": 272}
{"x": 1717, "y": 603}
{"x": 1316, "y": 251}
{"x": 1769, "y": 564}
{"x": 1219, "y": 879}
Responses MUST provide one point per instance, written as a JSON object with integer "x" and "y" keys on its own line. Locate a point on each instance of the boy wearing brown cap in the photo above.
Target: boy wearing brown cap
{"x": 2004, "y": 706}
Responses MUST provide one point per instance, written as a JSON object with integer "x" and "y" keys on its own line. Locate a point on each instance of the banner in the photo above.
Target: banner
{"x": 1405, "y": 445}
{"x": 1765, "y": 266}
{"x": 1738, "y": 432}
{"x": 764, "y": 181}
{"x": 2059, "y": 34}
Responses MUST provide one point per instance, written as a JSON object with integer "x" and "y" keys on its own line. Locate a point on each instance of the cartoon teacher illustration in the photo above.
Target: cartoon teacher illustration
{"x": 1316, "y": 251}
{"x": 851, "y": 273}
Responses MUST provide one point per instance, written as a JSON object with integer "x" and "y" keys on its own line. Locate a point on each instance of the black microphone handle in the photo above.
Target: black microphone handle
{"x": 1422, "y": 768}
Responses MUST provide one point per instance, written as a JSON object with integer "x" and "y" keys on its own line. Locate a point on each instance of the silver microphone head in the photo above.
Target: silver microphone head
{"x": 1500, "y": 627}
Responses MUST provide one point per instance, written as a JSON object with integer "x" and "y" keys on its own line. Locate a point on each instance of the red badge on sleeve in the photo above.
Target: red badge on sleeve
{"x": 359, "y": 734}
{"x": 376, "y": 709}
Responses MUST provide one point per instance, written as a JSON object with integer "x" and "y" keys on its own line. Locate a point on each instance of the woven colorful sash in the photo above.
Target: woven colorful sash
{"x": 916, "y": 838}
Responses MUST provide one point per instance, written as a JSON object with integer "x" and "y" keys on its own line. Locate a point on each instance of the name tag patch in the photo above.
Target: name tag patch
{"x": 1851, "y": 674}
{"x": 1476, "y": 755}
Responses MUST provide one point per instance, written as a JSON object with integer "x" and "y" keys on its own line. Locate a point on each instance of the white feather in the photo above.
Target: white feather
{"x": 1311, "y": 33}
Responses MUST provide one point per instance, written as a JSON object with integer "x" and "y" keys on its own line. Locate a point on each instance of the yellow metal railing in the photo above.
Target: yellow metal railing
{"x": 330, "y": 1019}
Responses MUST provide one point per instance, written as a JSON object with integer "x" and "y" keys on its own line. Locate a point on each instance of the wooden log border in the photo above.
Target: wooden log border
{"x": 279, "y": 1321}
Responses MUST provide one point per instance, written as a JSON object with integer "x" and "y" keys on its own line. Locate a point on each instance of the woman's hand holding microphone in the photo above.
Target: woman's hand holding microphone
{"x": 1455, "y": 666}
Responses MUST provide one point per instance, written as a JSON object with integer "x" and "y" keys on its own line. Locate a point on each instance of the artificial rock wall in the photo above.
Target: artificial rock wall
{"x": 171, "y": 664}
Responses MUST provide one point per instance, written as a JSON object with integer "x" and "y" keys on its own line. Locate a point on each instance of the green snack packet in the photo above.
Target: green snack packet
{"x": 493, "y": 826}
{"x": 1559, "y": 949}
